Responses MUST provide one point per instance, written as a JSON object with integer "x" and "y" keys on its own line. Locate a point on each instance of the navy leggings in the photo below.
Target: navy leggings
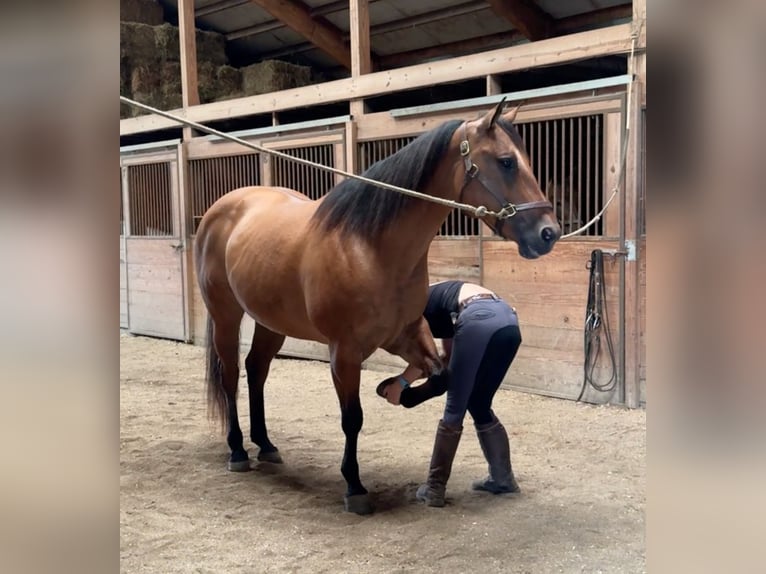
{"x": 487, "y": 337}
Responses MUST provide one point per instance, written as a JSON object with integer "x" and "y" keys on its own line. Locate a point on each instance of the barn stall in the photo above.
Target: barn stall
{"x": 571, "y": 67}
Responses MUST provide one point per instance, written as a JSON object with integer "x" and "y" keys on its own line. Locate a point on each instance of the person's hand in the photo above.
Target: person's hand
{"x": 390, "y": 389}
{"x": 393, "y": 393}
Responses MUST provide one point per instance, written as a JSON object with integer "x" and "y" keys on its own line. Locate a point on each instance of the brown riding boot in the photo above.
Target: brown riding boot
{"x": 445, "y": 446}
{"x": 494, "y": 444}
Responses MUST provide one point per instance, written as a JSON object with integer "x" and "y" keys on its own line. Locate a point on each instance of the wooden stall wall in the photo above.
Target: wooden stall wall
{"x": 550, "y": 296}
{"x": 124, "y": 318}
{"x": 154, "y": 251}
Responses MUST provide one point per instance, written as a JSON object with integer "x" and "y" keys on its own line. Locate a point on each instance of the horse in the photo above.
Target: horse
{"x": 350, "y": 270}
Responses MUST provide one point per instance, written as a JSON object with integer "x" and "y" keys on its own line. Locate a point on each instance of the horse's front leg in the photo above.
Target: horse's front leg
{"x": 415, "y": 344}
{"x": 346, "y": 362}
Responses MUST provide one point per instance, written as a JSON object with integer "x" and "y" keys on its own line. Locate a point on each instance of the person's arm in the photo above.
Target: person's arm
{"x": 447, "y": 345}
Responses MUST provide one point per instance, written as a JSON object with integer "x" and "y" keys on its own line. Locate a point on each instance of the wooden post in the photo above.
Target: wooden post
{"x": 185, "y": 232}
{"x": 493, "y": 85}
{"x": 188, "y": 43}
{"x": 350, "y": 144}
{"x": 265, "y": 162}
{"x": 613, "y": 125}
{"x": 632, "y": 231}
{"x": 361, "y": 62}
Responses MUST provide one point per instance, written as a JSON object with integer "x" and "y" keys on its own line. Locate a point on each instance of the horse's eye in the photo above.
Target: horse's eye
{"x": 508, "y": 163}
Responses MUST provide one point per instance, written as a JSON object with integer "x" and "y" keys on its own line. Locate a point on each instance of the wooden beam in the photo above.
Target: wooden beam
{"x": 633, "y": 301}
{"x": 584, "y": 45}
{"x": 297, "y": 16}
{"x": 359, "y": 25}
{"x": 525, "y": 16}
{"x": 188, "y": 44}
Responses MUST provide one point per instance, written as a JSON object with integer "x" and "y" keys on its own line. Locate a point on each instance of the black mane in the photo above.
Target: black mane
{"x": 366, "y": 210}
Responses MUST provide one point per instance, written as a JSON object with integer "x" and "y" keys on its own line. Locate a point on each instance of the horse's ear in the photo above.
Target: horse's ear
{"x": 510, "y": 115}
{"x": 490, "y": 118}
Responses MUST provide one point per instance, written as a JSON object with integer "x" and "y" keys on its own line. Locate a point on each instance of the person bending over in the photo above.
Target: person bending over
{"x": 480, "y": 335}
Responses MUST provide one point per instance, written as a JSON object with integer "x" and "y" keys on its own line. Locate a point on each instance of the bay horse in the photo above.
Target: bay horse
{"x": 351, "y": 269}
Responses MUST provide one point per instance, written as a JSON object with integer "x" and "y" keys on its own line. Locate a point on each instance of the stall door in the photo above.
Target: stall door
{"x": 154, "y": 251}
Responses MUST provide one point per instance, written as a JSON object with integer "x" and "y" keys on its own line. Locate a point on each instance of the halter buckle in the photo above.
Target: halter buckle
{"x": 508, "y": 211}
{"x": 465, "y": 149}
{"x": 472, "y": 171}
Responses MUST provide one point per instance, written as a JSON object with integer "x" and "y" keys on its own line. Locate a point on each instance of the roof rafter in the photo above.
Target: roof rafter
{"x": 297, "y": 16}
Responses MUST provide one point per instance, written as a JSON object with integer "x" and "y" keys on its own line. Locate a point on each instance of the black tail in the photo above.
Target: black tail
{"x": 216, "y": 396}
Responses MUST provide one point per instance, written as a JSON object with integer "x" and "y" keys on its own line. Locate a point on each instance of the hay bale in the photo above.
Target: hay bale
{"x": 211, "y": 47}
{"x": 137, "y": 42}
{"x": 272, "y": 76}
{"x": 142, "y": 11}
{"x": 218, "y": 82}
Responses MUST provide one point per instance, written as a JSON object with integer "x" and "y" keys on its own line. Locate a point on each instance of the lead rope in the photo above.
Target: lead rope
{"x": 596, "y": 328}
{"x": 479, "y": 211}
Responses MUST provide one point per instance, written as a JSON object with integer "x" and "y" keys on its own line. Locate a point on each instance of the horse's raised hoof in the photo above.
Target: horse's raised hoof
{"x": 239, "y": 465}
{"x": 358, "y": 504}
{"x": 273, "y": 457}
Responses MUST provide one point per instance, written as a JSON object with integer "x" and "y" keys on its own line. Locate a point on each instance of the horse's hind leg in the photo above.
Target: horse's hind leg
{"x": 266, "y": 345}
{"x": 223, "y": 378}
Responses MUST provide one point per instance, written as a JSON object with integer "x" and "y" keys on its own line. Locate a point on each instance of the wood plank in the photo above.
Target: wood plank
{"x": 550, "y": 296}
{"x": 155, "y": 288}
{"x": 526, "y": 17}
{"x": 613, "y": 124}
{"x": 590, "y": 44}
{"x": 633, "y": 300}
{"x": 297, "y": 16}
{"x": 383, "y": 125}
{"x": 453, "y": 259}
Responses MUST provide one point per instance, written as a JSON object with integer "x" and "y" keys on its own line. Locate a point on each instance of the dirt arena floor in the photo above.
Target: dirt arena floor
{"x": 581, "y": 470}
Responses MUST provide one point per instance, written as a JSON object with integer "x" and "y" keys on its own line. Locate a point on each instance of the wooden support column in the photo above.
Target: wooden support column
{"x": 493, "y": 85}
{"x": 185, "y": 232}
{"x": 188, "y": 43}
{"x": 632, "y": 245}
{"x": 351, "y": 147}
{"x": 361, "y": 61}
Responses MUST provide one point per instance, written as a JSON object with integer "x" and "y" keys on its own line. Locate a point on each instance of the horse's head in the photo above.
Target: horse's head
{"x": 497, "y": 174}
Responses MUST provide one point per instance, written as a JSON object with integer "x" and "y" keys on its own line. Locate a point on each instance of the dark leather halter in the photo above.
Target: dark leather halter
{"x": 507, "y": 209}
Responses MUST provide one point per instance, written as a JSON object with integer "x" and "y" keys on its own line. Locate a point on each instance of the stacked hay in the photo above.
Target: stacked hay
{"x": 272, "y": 76}
{"x": 150, "y": 69}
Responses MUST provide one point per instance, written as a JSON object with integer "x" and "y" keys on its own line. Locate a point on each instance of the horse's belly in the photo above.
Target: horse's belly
{"x": 295, "y": 324}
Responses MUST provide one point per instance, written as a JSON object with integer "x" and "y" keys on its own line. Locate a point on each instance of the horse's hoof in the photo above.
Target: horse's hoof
{"x": 273, "y": 457}
{"x": 358, "y": 504}
{"x": 239, "y": 465}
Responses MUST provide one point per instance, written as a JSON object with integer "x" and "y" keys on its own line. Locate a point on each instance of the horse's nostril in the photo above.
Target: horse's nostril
{"x": 548, "y": 234}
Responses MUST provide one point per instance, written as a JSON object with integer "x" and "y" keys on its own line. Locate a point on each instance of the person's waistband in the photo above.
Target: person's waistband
{"x": 477, "y": 297}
